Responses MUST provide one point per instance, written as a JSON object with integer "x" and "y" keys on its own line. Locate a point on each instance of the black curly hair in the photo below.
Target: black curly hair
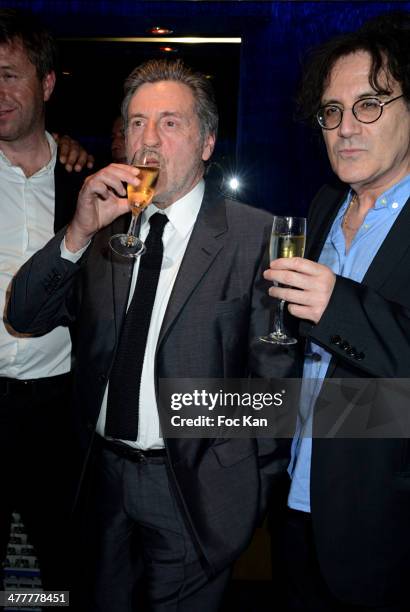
{"x": 387, "y": 40}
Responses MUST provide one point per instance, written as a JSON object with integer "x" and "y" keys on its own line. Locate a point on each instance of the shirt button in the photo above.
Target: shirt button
{"x": 394, "y": 205}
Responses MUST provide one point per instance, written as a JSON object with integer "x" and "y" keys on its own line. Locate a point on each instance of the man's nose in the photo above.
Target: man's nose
{"x": 151, "y": 134}
{"x": 349, "y": 124}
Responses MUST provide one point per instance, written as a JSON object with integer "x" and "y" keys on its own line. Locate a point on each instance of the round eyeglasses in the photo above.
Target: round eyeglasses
{"x": 366, "y": 110}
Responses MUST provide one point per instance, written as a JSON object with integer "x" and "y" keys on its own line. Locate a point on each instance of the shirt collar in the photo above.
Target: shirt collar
{"x": 181, "y": 214}
{"x": 48, "y": 168}
{"x": 53, "y": 150}
{"x": 393, "y": 199}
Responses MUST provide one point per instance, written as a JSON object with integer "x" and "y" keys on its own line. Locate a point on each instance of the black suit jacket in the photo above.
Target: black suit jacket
{"x": 360, "y": 489}
{"x": 219, "y": 303}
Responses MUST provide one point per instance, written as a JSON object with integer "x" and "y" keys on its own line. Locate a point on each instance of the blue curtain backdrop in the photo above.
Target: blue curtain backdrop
{"x": 281, "y": 163}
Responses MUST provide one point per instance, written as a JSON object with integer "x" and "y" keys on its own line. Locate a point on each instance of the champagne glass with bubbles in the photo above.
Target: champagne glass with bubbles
{"x": 288, "y": 239}
{"x": 129, "y": 245}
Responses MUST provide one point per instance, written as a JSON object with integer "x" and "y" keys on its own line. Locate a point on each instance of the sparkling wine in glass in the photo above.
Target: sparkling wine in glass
{"x": 129, "y": 245}
{"x": 288, "y": 239}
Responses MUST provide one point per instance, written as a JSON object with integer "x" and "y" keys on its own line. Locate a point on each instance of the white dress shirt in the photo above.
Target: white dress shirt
{"x": 181, "y": 215}
{"x": 26, "y": 225}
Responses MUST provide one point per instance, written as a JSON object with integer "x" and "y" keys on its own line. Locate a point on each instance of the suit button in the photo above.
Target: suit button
{"x": 313, "y": 356}
{"x": 360, "y": 356}
{"x": 336, "y": 340}
{"x": 345, "y": 346}
{"x": 352, "y": 352}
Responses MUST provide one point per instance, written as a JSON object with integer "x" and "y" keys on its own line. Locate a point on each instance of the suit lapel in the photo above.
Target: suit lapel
{"x": 203, "y": 246}
{"x": 319, "y": 226}
{"x": 391, "y": 251}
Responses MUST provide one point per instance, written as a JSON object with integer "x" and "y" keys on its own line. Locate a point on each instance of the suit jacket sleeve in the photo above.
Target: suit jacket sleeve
{"x": 42, "y": 292}
{"x": 365, "y": 329}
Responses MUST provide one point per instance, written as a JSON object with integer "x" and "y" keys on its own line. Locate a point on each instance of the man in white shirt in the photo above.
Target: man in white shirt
{"x": 176, "y": 512}
{"x": 37, "y": 196}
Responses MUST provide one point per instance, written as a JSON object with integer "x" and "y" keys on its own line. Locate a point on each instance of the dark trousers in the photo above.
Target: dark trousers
{"x": 306, "y": 588}
{"x": 36, "y": 458}
{"x": 143, "y": 556}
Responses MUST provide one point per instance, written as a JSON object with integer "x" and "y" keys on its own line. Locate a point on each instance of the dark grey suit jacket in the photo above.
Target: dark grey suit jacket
{"x": 219, "y": 303}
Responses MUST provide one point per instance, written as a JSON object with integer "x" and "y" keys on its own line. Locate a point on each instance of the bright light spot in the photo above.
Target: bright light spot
{"x": 159, "y": 30}
{"x": 234, "y": 184}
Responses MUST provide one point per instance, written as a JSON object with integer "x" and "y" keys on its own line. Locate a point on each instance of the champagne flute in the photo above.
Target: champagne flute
{"x": 288, "y": 239}
{"x": 129, "y": 245}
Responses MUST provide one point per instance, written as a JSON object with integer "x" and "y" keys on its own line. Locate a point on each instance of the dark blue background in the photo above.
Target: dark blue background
{"x": 283, "y": 163}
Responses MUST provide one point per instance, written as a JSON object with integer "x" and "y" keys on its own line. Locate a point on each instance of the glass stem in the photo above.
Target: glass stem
{"x": 132, "y": 230}
{"x": 279, "y": 329}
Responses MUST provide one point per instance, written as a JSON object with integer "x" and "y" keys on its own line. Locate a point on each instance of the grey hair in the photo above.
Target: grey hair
{"x": 153, "y": 71}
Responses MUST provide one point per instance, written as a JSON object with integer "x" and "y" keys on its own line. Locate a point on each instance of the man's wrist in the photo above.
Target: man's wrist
{"x": 75, "y": 240}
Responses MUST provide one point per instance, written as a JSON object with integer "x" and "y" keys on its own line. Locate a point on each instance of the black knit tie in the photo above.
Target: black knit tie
{"x": 125, "y": 378}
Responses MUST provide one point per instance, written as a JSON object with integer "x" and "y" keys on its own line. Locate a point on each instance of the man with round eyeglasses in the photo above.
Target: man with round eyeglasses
{"x": 346, "y": 538}
{"x": 366, "y": 110}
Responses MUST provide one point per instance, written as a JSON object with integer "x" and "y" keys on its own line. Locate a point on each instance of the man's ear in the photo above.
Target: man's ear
{"x": 208, "y": 146}
{"x": 48, "y": 85}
